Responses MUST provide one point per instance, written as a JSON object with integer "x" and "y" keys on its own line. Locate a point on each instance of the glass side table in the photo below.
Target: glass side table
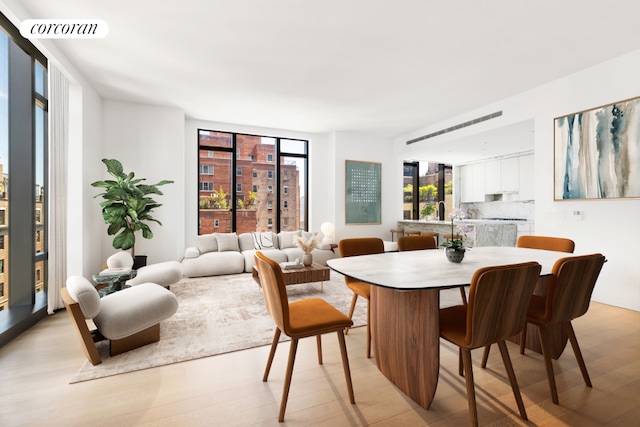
{"x": 109, "y": 282}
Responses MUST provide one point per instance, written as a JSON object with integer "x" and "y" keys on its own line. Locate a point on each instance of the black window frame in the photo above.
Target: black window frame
{"x": 26, "y": 306}
{"x": 279, "y": 154}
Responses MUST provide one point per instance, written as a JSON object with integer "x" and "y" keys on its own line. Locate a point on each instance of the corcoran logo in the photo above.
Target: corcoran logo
{"x": 64, "y": 28}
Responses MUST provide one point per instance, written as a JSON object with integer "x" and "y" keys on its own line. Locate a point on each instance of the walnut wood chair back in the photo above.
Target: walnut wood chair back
{"x": 558, "y": 244}
{"x": 568, "y": 297}
{"x": 415, "y": 243}
{"x": 355, "y": 247}
{"x": 497, "y": 307}
{"x": 299, "y": 319}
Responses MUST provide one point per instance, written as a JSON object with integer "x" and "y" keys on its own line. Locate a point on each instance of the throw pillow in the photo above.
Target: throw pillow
{"x": 227, "y": 242}
{"x": 287, "y": 239}
{"x": 207, "y": 243}
{"x": 263, "y": 240}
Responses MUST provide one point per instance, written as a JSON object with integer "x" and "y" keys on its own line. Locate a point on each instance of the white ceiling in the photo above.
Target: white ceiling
{"x": 368, "y": 66}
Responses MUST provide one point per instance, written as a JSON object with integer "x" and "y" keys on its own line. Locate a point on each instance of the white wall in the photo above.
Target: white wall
{"x": 608, "y": 226}
{"x": 149, "y": 141}
{"x": 350, "y": 146}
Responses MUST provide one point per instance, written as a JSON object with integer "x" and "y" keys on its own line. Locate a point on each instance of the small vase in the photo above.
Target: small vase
{"x": 455, "y": 254}
{"x": 307, "y": 259}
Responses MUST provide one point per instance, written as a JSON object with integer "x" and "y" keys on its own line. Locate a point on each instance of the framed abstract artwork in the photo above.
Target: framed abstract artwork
{"x": 363, "y": 192}
{"x": 597, "y": 153}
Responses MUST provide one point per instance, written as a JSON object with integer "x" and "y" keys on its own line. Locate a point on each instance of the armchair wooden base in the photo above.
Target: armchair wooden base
{"x": 89, "y": 338}
{"x": 144, "y": 337}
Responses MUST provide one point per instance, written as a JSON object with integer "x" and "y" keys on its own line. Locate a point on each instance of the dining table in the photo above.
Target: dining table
{"x": 405, "y": 302}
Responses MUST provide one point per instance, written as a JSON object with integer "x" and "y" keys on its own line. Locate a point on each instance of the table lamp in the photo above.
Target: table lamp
{"x": 327, "y": 229}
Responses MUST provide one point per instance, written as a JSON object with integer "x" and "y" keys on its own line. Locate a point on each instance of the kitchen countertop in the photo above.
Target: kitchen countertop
{"x": 466, "y": 220}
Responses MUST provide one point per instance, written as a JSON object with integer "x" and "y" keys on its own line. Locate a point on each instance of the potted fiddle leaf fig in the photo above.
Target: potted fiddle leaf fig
{"x": 127, "y": 206}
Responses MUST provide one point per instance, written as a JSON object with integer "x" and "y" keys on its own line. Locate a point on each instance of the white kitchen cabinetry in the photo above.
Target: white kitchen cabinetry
{"x": 527, "y": 178}
{"x": 493, "y": 177}
{"x": 472, "y": 182}
{"x": 501, "y": 176}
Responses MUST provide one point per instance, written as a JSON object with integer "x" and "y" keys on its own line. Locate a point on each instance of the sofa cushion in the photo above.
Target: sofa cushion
{"x": 192, "y": 253}
{"x": 249, "y": 257}
{"x": 207, "y": 243}
{"x": 227, "y": 242}
{"x": 213, "y": 264}
{"x": 82, "y": 291}
{"x": 287, "y": 239}
{"x": 120, "y": 261}
{"x": 266, "y": 240}
{"x": 134, "y": 309}
{"x": 306, "y": 235}
{"x": 163, "y": 273}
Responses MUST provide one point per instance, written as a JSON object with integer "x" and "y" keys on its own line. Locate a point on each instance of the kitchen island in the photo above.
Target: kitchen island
{"x": 484, "y": 232}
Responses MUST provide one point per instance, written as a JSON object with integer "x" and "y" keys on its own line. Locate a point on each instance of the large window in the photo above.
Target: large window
{"x": 226, "y": 203}
{"x": 23, "y": 164}
{"x": 427, "y": 190}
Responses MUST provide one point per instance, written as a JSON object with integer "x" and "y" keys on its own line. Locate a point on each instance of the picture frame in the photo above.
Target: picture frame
{"x": 597, "y": 153}
{"x": 363, "y": 181}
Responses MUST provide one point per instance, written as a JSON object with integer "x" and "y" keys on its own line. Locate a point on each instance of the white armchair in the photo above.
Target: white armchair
{"x": 163, "y": 273}
{"x": 128, "y": 319}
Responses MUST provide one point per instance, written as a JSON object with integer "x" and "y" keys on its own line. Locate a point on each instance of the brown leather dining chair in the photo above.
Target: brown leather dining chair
{"x": 299, "y": 319}
{"x": 414, "y": 243}
{"x": 497, "y": 307}
{"x": 424, "y": 241}
{"x": 558, "y": 244}
{"x": 354, "y": 247}
{"x": 567, "y": 298}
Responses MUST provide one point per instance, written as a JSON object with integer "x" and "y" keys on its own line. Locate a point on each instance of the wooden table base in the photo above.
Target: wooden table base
{"x": 406, "y": 340}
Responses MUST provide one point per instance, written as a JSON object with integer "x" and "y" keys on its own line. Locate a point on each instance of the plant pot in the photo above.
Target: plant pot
{"x": 455, "y": 254}
{"x": 307, "y": 259}
{"x": 139, "y": 261}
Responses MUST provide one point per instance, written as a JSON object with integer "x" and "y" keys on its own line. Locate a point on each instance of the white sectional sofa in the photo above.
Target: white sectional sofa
{"x": 228, "y": 253}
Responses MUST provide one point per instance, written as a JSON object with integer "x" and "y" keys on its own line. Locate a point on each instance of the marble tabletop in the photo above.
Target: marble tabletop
{"x": 430, "y": 269}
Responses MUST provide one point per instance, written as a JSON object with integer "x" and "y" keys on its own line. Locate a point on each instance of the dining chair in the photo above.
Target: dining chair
{"x": 415, "y": 243}
{"x": 558, "y": 244}
{"x": 354, "y": 247}
{"x": 299, "y": 319}
{"x": 497, "y": 307}
{"x": 567, "y": 298}
{"x": 418, "y": 242}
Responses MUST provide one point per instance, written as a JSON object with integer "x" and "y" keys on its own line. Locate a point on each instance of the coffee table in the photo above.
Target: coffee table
{"x": 110, "y": 282}
{"x": 307, "y": 274}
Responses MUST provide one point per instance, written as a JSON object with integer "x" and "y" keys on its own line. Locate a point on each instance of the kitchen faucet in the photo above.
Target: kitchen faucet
{"x": 444, "y": 206}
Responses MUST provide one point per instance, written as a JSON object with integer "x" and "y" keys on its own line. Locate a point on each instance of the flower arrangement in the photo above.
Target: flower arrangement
{"x": 463, "y": 230}
{"x": 307, "y": 245}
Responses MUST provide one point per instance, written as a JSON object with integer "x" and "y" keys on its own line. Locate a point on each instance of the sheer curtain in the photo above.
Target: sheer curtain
{"x": 58, "y": 131}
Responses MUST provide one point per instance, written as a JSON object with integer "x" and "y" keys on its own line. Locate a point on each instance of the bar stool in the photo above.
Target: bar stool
{"x": 412, "y": 232}
{"x": 452, "y": 236}
{"x": 398, "y": 231}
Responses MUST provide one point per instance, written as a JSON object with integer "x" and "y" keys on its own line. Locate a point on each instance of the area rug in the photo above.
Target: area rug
{"x": 219, "y": 315}
{"x": 216, "y": 315}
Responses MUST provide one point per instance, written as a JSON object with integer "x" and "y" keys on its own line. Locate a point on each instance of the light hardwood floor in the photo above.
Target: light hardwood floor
{"x": 227, "y": 390}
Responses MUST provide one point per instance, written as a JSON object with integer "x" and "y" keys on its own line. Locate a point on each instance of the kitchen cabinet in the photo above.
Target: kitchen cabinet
{"x": 502, "y": 176}
{"x": 472, "y": 183}
{"x": 526, "y": 177}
